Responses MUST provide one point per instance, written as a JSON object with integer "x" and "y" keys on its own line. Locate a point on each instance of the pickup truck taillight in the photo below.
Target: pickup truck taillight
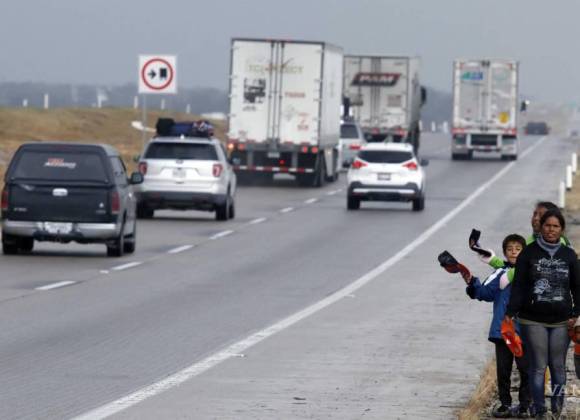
{"x": 143, "y": 168}
{"x": 4, "y": 200}
{"x": 115, "y": 202}
{"x": 217, "y": 169}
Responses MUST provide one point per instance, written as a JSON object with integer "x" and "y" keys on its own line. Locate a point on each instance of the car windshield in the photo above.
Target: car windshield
{"x": 181, "y": 151}
{"x": 385, "y": 156}
{"x": 60, "y": 166}
{"x": 348, "y": 131}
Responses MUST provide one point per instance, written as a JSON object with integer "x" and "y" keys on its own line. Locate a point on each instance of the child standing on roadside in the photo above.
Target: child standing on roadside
{"x": 497, "y": 288}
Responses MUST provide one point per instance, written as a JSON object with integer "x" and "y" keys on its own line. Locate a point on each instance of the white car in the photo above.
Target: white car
{"x": 185, "y": 171}
{"x": 351, "y": 141}
{"x": 386, "y": 172}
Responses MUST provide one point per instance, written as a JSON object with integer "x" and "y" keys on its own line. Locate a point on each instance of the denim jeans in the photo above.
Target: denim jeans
{"x": 546, "y": 346}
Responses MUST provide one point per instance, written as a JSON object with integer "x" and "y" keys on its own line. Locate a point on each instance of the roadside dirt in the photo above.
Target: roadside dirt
{"x": 107, "y": 125}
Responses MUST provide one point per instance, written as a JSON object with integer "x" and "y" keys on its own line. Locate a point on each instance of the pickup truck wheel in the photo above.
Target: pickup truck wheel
{"x": 117, "y": 246}
{"x": 9, "y": 247}
{"x": 222, "y": 210}
{"x": 26, "y": 244}
{"x": 131, "y": 241}
{"x": 144, "y": 212}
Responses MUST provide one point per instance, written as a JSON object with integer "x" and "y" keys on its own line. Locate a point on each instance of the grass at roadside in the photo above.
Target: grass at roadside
{"x": 89, "y": 125}
{"x": 482, "y": 396}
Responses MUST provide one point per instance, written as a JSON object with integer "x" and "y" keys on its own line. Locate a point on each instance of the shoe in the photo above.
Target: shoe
{"x": 522, "y": 412}
{"x": 502, "y": 412}
{"x": 543, "y": 416}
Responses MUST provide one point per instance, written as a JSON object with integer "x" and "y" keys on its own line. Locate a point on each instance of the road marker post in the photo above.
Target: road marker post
{"x": 562, "y": 195}
{"x": 568, "y": 177}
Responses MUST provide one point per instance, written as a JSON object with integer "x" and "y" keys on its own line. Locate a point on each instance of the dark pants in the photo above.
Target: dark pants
{"x": 504, "y": 361}
{"x": 546, "y": 347}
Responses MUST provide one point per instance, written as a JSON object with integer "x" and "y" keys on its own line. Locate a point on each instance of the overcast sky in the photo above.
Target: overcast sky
{"x": 98, "y": 41}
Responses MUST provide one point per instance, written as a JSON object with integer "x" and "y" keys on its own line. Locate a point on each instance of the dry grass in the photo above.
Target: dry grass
{"x": 108, "y": 125}
{"x": 482, "y": 396}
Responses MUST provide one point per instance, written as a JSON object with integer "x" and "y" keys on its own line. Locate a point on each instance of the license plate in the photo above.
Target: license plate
{"x": 384, "y": 177}
{"x": 178, "y": 173}
{"x": 273, "y": 155}
{"x": 58, "y": 228}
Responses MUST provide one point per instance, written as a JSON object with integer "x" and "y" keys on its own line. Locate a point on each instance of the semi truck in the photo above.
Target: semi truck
{"x": 384, "y": 96}
{"x": 284, "y": 117}
{"x": 485, "y": 105}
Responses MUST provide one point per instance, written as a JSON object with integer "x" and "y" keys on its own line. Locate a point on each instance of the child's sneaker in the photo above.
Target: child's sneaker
{"x": 502, "y": 412}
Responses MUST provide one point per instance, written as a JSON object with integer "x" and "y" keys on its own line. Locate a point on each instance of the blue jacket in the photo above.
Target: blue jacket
{"x": 497, "y": 290}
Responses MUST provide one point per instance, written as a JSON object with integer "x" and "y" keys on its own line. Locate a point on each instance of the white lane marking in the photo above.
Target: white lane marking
{"x": 55, "y": 285}
{"x": 241, "y": 346}
{"x": 287, "y": 210}
{"x": 311, "y": 201}
{"x": 104, "y": 271}
{"x": 179, "y": 249}
{"x": 258, "y": 221}
{"x": 333, "y": 192}
{"x": 126, "y": 266}
{"x": 221, "y": 234}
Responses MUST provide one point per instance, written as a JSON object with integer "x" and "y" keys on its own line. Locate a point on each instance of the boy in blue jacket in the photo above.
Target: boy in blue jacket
{"x": 497, "y": 288}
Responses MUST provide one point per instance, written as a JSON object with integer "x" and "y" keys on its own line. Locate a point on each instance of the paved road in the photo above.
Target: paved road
{"x": 406, "y": 344}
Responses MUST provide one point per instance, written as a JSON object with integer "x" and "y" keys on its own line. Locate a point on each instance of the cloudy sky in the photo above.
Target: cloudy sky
{"x": 98, "y": 41}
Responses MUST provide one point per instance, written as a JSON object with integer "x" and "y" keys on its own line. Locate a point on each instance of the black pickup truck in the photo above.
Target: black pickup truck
{"x": 64, "y": 192}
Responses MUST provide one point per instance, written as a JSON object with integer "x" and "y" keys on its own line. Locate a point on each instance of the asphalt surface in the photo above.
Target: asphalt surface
{"x": 407, "y": 344}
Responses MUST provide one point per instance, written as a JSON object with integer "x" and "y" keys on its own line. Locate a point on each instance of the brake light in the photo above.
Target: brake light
{"x": 314, "y": 150}
{"x": 5, "y": 200}
{"x": 115, "y": 202}
{"x": 143, "y": 168}
{"x": 231, "y": 146}
{"x": 357, "y": 164}
{"x": 217, "y": 169}
{"x": 412, "y": 166}
{"x": 354, "y": 146}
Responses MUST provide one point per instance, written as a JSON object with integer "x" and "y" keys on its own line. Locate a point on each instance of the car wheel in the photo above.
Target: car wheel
{"x": 232, "y": 210}
{"x": 9, "y": 245}
{"x": 26, "y": 244}
{"x": 352, "y": 203}
{"x": 419, "y": 203}
{"x": 144, "y": 212}
{"x": 117, "y": 246}
{"x": 131, "y": 241}
{"x": 222, "y": 210}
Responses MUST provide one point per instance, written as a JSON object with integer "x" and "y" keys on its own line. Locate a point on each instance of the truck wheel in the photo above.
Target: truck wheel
{"x": 26, "y": 244}
{"x": 232, "y": 210}
{"x": 352, "y": 203}
{"x": 9, "y": 245}
{"x": 419, "y": 203}
{"x": 144, "y": 212}
{"x": 117, "y": 246}
{"x": 131, "y": 241}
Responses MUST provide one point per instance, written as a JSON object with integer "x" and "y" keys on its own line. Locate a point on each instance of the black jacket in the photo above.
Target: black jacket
{"x": 545, "y": 289}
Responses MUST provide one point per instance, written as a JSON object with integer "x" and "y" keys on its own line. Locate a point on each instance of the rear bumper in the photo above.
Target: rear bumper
{"x": 180, "y": 200}
{"x": 405, "y": 192}
{"x": 81, "y": 232}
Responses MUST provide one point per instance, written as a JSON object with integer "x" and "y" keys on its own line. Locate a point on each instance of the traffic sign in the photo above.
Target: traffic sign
{"x": 157, "y": 74}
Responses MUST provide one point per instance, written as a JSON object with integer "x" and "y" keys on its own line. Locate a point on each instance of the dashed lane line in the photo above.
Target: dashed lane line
{"x": 126, "y": 266}
{"x": 179, "y": 249}
{"x": 287, "y": 210}
{"x": 311, "y": 201}
{"x": 258, "y": 221}
{"x": 55, "y": 285}
{"x": 221, "y": 234}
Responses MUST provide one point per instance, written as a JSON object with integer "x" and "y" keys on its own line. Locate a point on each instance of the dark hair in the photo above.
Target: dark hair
{"x": 513, "y": 238}
{"x": 548, "y": 205}
{"x": 553, "y": 213}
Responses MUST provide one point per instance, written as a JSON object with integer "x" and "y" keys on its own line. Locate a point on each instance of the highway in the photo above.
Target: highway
{"x": 80, "y": 330}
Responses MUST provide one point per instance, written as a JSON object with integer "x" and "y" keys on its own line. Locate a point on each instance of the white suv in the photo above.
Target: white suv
{"x": 186, "y": 168}
{"x": 386, "y": 172}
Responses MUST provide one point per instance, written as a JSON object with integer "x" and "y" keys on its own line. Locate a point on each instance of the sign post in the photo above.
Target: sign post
{"x": 157, "y": 75}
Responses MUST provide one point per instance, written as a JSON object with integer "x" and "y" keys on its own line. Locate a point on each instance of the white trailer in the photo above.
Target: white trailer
{"x": 485, "y": 108}
{"x": 285, "y": 99}
{"x": 384, "y": 96}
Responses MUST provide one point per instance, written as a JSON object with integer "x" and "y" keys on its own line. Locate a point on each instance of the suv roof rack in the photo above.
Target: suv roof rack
{"x": 168, "y": 127}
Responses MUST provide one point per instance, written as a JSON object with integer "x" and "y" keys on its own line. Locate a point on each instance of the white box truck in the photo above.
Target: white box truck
{"x": 384, "y": 96}
{"x": 285, "y": 99}
{"x": 485, "y": 108}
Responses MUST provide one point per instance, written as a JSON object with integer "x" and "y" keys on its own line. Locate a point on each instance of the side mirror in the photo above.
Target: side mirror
{"x": 136, "y": 178}
{"x": 136, "y": 158}
{"x": 424, "y": 162}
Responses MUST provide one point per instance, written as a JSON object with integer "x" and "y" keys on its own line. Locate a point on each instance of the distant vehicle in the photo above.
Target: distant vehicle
{"x": 186, "y": 168}
{"x": 351, "y": 141}
{"x": 385, "y": 97}
{"x": 485, "y": 108}
{"x": 539, "y": 128}
{"x": 386, "y": 172}
{"x": 285, "y": 98}
{"x": 64, "y": 192}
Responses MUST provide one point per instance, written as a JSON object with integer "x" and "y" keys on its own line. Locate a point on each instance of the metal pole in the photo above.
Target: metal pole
{"x": 144, "y": 119}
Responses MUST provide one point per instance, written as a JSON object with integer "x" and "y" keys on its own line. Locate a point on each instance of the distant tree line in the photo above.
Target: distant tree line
{"x": 200, "y": 100}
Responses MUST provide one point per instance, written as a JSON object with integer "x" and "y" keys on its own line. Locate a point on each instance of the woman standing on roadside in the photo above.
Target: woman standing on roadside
{"x": 546, "y": 300}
